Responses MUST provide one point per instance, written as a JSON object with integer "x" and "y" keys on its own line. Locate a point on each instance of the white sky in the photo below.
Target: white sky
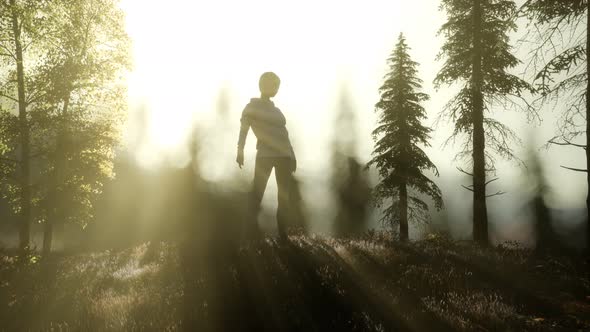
{"x": 187, "y": 52}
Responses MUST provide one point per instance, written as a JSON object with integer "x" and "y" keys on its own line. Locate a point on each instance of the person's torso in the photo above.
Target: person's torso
{"x": 269, "y": 126}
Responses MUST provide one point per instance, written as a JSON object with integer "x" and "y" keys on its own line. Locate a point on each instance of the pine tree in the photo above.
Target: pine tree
{"x": 562, "y": 68}
{"x": 478, "y": 53}
{"x": 348, "y": 179}
{"x": 397, "y": 155}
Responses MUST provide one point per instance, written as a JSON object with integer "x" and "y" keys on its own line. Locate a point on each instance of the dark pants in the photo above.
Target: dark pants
{"x": 283, "y": 174}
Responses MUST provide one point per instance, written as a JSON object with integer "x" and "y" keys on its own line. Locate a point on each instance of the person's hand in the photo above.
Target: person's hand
{"x": 293, "y": 165}
{"x": 240, "y": 158}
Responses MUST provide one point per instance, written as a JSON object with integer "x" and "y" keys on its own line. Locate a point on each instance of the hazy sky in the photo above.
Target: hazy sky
{"x": 189, "y": 53}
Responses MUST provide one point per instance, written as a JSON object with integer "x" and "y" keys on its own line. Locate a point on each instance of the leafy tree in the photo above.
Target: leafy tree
{"x": 561, "y": 68}
{"x": 477, "y": 55}
{"x": 22, "y": 31}
{"x": 397, "y": 155}
{"x": 85, "y": 101}
{"x": 74, "y": 106}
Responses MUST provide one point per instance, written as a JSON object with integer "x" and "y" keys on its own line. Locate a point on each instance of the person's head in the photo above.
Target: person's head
{"x": 269, "y": 84}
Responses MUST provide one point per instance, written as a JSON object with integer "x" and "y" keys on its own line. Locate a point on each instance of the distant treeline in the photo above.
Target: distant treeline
{"x": 63, "y": 100}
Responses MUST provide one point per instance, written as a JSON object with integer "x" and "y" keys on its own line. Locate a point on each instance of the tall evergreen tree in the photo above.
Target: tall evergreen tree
{"x": 400, "y": 160}
{"x": 478, "y": 55}
{"x": 348, "y": 179}
{"x": 561, "y": 68}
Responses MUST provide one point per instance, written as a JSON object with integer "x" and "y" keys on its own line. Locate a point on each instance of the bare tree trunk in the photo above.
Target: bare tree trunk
{"x": 588, "y": 124}
{"x": 480, "y": 214}
{"x": 25, "y": 172}
{"x": 403, "y": 207}
{"x": 57, "y": 208}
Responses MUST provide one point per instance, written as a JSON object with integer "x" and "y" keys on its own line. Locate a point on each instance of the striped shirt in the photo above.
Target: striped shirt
{"x": 269, "y": 126}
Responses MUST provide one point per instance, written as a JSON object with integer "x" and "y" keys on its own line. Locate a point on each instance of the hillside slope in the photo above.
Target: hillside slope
{"x": 306, "y": 284}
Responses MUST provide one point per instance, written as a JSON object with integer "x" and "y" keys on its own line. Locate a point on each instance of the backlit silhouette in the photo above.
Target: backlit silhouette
{"x": 273, "y": 147}
{"x": 121, "y": 208}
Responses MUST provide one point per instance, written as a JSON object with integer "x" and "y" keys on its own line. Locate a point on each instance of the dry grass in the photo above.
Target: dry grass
{"x": 309, "y": 283}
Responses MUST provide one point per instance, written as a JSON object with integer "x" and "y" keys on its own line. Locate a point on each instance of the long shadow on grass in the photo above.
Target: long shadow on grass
{"x": 408, "y": 300}
{"x": 512, "y": 285}
{"x": 297, "y": 285}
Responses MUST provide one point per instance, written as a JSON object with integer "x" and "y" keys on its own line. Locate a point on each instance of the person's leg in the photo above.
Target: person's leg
{"x": 283, "y": 174}
{"x": 262, "y": 170}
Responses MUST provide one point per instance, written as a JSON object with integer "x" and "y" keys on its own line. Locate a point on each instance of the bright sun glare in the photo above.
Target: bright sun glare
{"x": 185, "y": 52}
{"x": 189, "y": 53}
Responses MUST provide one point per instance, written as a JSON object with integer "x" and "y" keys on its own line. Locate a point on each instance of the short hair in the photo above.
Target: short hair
{"x": 268, "y": 80}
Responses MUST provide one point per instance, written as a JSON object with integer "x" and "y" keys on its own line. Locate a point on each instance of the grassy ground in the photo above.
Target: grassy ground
{"x": 305, "y": 284}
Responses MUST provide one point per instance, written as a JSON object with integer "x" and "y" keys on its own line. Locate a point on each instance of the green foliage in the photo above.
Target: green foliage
{"x": 76, "y": 53}
{"x": 397, "y": 155}
{"x": 86, "y": 101}
{"x": 497, "y": 85}
{"x": 5, "y": 126}
{"x": 31, "y": 28}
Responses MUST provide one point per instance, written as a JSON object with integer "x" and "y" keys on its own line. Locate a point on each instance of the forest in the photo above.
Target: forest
{"x": 92, "y": 240}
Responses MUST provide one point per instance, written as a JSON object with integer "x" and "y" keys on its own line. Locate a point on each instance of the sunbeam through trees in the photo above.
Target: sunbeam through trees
{"x": 294, "y": 165}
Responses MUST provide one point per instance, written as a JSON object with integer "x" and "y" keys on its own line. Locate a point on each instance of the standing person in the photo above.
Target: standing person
{"x": 273, "y": 150}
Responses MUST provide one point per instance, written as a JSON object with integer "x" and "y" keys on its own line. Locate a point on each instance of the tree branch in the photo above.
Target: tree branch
{"x": 26, "y": 46}
{"x": 492, "y": 180}
{"x": 467, "y": 188}
{"x": 566, "y": 143}
{"x": 8, "y": 51}
{"x": 7, "y": 54}
{"x": 9, "y": 97}
{"x": 496, "y": 194}
{"x": 35, "y": 98}
{"x": 463, "y": 171}
{"x": 575, "y": 169}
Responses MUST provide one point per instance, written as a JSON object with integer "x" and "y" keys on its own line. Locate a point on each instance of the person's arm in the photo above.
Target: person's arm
{"x": 293, "y": 161}
{"x": 244, "y": 128}
{"x": 293, "y": 158}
